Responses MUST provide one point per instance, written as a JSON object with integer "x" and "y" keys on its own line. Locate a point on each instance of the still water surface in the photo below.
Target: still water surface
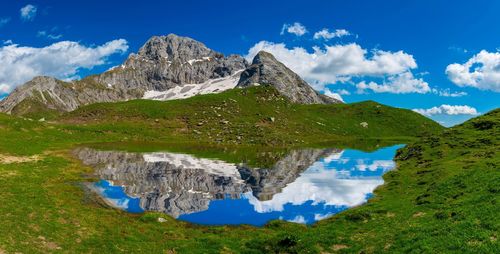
{"x": 303, "y": 186}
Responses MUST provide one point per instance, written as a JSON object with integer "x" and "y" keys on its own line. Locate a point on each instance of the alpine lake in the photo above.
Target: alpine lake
{"x": 235, "y": 186}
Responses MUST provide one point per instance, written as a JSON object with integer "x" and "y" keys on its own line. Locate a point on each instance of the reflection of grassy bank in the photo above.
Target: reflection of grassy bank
{"x": 256, "y": 156}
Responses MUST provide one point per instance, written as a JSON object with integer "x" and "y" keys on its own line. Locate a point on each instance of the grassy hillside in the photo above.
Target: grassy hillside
{"x": 442, "y": 198}
{"x": 258, "y": 115}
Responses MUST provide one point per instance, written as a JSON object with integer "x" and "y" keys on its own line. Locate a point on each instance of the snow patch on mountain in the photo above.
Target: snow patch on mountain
{"x": 189, "y": 90}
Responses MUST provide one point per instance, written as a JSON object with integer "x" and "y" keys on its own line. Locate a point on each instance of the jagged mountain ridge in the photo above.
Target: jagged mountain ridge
{"x": 166, "y": 67}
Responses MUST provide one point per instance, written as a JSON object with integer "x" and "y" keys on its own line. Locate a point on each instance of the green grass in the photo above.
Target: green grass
{"x": 255, "y": 116}
{"x": 442, "y": 198}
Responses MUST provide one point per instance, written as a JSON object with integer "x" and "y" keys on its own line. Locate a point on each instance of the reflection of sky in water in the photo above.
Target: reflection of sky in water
{"x": 116, "y": 197}
{"x": 330, "y": 185}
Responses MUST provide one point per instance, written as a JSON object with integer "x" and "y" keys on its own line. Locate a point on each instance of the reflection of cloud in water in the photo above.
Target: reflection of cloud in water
{"x": 376, "y": 164}
{"x": 318, "y": 217}
{"x": 321, "y": 186}
{"x": 335, "y": 156}
{"x": 336, "y": 180}
{"x": 298, "y": 219}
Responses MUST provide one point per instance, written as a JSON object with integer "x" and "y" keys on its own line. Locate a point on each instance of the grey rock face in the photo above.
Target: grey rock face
{"x": 168, "y": 61}
{"x": 180, "y": 184}
{"x": 58, "y": 95}
{"x": 265, "y": 69}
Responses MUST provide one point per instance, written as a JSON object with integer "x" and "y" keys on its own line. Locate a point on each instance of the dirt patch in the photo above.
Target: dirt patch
{"x": 9, "y": 159}
{"x": 418, "y": 214}
{"x": 338, "y": 247}
{"x": 48, "y": 244}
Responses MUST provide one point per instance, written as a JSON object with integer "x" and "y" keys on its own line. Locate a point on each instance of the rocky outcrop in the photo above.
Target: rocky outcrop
{"x": 265, "y": 69}
{"x": 47, "y": 93}
{"x": 168, "y": 61}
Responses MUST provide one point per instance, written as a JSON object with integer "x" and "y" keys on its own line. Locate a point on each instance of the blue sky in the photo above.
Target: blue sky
{"x": 429, "y": 36}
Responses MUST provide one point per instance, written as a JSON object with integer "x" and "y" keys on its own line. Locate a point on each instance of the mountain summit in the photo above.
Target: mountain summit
{"x": 166, "y": 67}
{"x": 265, "y": 69}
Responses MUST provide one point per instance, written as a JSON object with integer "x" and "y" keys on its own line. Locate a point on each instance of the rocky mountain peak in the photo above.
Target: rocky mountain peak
{"x": 264, "y": 57}
{"x": 267, "y": 70}
{"x": 173, "y": 47}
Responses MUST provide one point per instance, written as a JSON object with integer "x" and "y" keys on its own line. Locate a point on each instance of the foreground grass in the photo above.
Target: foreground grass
{"x": 443, "y": 197}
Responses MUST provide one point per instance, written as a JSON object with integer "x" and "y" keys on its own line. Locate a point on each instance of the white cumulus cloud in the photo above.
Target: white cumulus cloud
{"x": 28, "y": 12}
{"x": 295, "y": 28}
{"x": 327, "y": 35}
{"x": 334, "y": 95}
{"x": 482, "y": 71}
{"x": 399, "y": 84}
{"x": 62, "y": 60}
{"x": 336, "y": 63}
{"x": 448, "y": 110}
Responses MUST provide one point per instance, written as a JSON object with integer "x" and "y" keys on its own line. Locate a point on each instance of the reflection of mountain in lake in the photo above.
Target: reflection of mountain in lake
{"x": 179, "y": 183}
{"x": 305, "y": 186}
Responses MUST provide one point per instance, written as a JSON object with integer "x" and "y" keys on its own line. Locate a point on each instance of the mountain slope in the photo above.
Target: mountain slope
{"x": 165, "y": 68}
{"x": 256, "y": 115}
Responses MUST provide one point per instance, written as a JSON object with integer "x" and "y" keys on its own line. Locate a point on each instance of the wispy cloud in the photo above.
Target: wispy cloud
{"x": 448, "y": 93}
{"x": 48, "y": 35}
{"x": 296, "y": 28}
{"x": 28, "y": 12}
{"x": 4, "y": 21}
{"x": 327, "y": 35}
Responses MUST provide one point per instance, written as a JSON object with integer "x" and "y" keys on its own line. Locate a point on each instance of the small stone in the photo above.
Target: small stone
{"x": 41, "y": 120}
{"x": 157, "y": 120}
{"x": 200, "y": 124}
{"x": 271, "y": 119}
{"x": 364, "y": 124}
{"x": 224, "y": 122}
{"x": 161, "y": 220}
